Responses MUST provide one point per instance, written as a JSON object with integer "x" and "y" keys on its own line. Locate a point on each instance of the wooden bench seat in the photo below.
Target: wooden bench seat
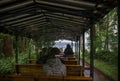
{"x": 22, "y": 78}
{"x": 44, "y": 78}
{"x": 5, "y": 78}
{"x": 63, "y": 78}
{"x": 32, "y": 61}
{"x": 68, "y": 58}
{"x": 17, "y": 78}
{"x": 29, "y": 69}
{"x": 71, "y": 58}
{"x": 70, "y": 62}
{"x": 74, "y": 70}
{"x": 36, "y": 69}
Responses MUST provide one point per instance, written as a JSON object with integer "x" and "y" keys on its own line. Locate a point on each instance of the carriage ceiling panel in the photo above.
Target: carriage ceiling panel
{"x": 58, "y": 19}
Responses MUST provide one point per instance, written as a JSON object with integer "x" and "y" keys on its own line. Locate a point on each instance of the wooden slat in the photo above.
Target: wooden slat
{"x": 71, "y": 62}
{"x": 74, "y": 70}
{"x": 29, "y": 69}
{"x": 71, "y": 58}
{"x": 22, "y": 78}
{"x": 36, "y": 69}
{"x": 77, "y": 78}
{"x": 50, "y": 78}
{"x": 5, "y": 78}
{"x": 44, "y": 78}
{"x": 33, "y": 61}
{"x": 63, "y": 78}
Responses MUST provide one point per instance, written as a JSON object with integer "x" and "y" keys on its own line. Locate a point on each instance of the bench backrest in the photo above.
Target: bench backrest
{"x": 71, "y": 58}
{"x": 74, "y": 70}
{"x": 29, "y": 69}
{"x": 17, "y": 78}
{"x": 22, "y": 78}
{"x": 64, "y": 78}
{"x": 33, "y": 61}
{"x": 45, "y": 78}
{"x": 36, "y": 69}
{"x": 71, "y": 62}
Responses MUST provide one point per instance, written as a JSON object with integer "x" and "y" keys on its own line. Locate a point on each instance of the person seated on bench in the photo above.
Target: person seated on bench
{"x": 68, "y": 51}
{"x": 42, "y": 56}
{"x": 53, "y": 65}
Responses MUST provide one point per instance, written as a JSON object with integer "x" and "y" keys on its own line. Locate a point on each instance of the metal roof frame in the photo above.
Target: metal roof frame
{"x": 32, "y": 17}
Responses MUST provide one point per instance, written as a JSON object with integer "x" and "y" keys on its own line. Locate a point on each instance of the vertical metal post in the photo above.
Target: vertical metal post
{"x": 92, "y": 50}
{"x": 76, "y": 45}
{"x": 36, "y": 48}
{"x": 72, "y": 44}
{"x": 29, "y": 56}
{"x": 16, "y": 53}
{"x": 83, "y": 55}
{"x": 16, "y": 50}
{"x": 79, "y": 48}
{"x": 118, "y": 13}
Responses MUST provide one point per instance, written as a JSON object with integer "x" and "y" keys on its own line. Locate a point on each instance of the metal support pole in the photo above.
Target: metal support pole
{"x": 16, "y": 53}
{"x": 83, "y": 55}
{"x": 76, "y": 46}
{"x": 91, "y": 50}
{"x": 36, "y": 48}
{"x": 16, "y": 50}
{"x": 118, "y": 12}
{"x": 72, "y": 44}
{"x": 29, "y": 56}
{"x": 79, "y": 48}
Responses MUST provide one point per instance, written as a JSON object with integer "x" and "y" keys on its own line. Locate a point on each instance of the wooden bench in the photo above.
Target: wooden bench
{"x": 5, "y": 78}
{"x": 29, "y": 69}
{"x": 71, "y": 58}
{"x": 33, "y": 61}
{"x": 68, "y": 58}
{"x": 70, "y": 62}
{"x": 74, "y": 70}
{"x": 22, "y": 78}
{"x": 45, "y": 78}
{"x": 63, "y": 78}
{"x": 17, "y": 78}
{"x": 36, "y": 69}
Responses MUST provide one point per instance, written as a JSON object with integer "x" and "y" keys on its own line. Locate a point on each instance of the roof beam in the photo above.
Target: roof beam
{"x": 15, "y": 6}
{"x": 53, "y": 18}
{"x": 24, "y": 19}
{"x": 75, "y": 3}
{"x": 30, "y": 21}
{"x": 63, "y": 18}
{"x": 80, "y": 13}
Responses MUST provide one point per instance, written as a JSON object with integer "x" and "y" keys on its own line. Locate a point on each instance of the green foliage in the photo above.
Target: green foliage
{"x": 109, "y": 69}
{"x": 23, "y": 58}
{"x": 106, "y": 42}
{"x": 106, "y": 45}
{"x": 106, "y": 56}
{"x": 7, "y": 65}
